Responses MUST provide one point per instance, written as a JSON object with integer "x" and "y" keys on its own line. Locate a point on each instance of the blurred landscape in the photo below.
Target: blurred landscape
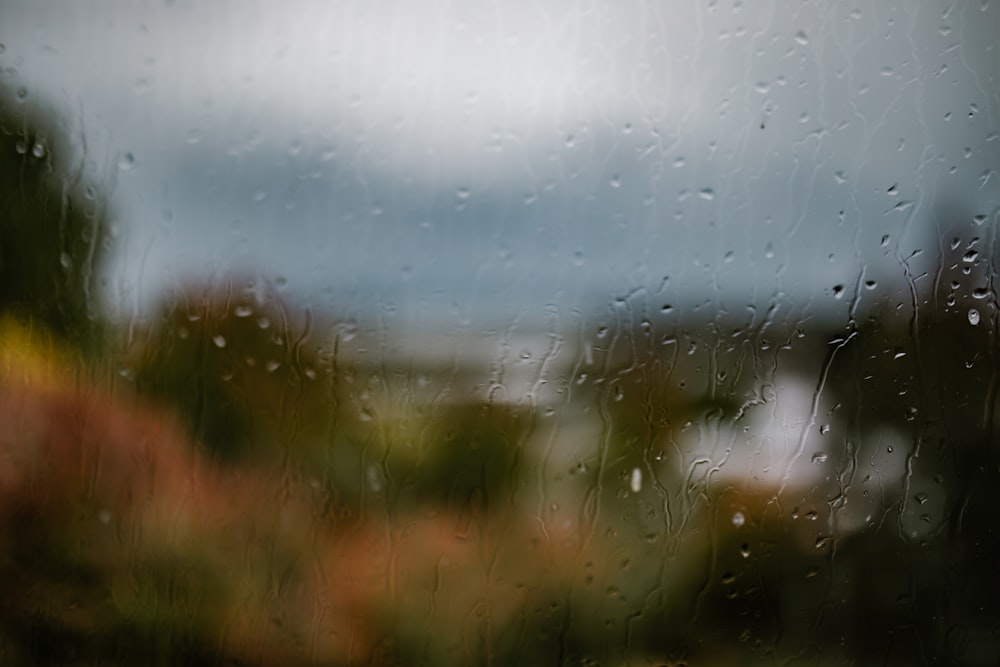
{"x": 239, "y": 473}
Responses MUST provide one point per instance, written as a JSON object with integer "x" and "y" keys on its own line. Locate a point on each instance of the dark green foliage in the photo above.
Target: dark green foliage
{"x": 471, "y": 458}
{"x": 52, "y": 225}
{"x": 241, "y": 371}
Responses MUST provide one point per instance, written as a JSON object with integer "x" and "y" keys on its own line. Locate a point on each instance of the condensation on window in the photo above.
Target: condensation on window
{"x": 499, "y": 333}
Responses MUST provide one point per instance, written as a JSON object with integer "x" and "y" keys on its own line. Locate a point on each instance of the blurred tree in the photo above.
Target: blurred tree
{"x": 924, "y": 365}
{"x": 469, "y": 459}
{"x": 53, "y": 231}
{"x": 232, "y": 360}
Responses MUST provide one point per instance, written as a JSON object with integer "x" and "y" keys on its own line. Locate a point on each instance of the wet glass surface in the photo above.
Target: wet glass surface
{"x": 521, "y": 333}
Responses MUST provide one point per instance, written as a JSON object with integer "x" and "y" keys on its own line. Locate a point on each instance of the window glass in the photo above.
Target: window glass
{"x": 511, "y": 333}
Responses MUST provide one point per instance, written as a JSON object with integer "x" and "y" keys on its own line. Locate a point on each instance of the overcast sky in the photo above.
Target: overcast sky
{"x": 484, "y": 160}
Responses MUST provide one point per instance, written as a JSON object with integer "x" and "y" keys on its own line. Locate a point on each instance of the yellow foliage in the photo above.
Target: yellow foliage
{"x": 31, "y": 355}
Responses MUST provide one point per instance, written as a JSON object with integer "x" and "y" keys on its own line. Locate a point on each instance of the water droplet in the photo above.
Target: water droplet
{"x": 819, "y": 457}
{"x": 801, "y": 38}
{"x": 745, "y": 550}
{"x": 220, "y": 341}
{"x": 921, "y": 498}
{"x": 893, "y": 189}
{"x": 739, "y": 519}
{"x": 728, "y": 578}
{"x": 616, "y": 181}
{"x": 708, "y": 194}
{"x": 870, "y": 284}
{"x": 374, "y": 479}
{"x": 824, "y": 429}
{"x": 838, "y": 291}
{"x": 21, "y": 147}
{"x": 243, "y": 311}
{"x": 822, "y": 541}
{"x": 980, "y": 293}
{"x": 22, "y": 94}
{"x": 127, "y": 162}
{"x": 970, "y": 256}
{"x": 38, "y": 150}
{"x": 973, "y": 316}
{"x": 635, "y": 483}
{"x": 463, "y": 193}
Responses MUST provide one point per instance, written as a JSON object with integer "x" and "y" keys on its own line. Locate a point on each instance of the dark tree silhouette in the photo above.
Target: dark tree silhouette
{"x": 52, "y": 223}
